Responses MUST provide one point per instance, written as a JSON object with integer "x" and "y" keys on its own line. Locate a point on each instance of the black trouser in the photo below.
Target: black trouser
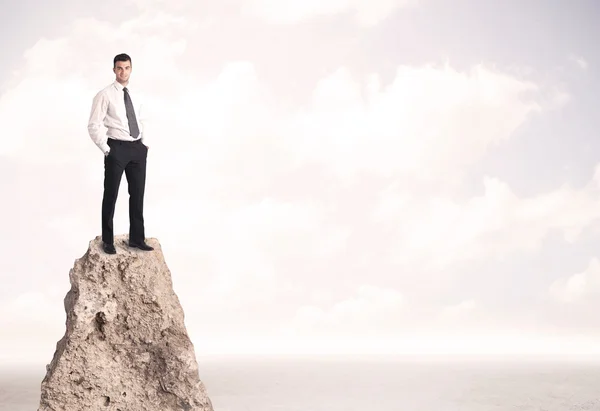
{"x": 131, "y": 157}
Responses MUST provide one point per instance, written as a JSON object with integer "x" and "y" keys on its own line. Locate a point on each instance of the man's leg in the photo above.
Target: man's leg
{"x": 113, "y": 170}
{"x": 135, "y": 171}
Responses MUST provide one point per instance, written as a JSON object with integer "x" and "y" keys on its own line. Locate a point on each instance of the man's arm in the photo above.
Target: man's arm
{"x": 96, "y": 122}
{"x": 143, "y": 118}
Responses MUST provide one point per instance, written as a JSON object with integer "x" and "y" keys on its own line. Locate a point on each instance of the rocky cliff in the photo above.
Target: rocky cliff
{"x": 125, "y": 347}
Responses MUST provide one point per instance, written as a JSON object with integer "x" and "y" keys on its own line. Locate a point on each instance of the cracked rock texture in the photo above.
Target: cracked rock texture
{"x": 125, "y": 347}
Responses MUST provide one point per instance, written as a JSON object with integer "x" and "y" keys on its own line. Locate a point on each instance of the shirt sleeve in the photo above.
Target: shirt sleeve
{"x": 96, "y": 121}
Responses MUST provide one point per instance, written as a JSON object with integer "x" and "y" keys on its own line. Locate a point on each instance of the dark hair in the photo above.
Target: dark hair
{"x": 121, "y": 57}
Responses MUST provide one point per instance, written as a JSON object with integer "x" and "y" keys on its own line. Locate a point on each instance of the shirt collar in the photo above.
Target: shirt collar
{"x": 119, "y": 86}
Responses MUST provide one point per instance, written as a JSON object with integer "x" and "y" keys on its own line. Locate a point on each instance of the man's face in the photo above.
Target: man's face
{"x": 122, "y": 69}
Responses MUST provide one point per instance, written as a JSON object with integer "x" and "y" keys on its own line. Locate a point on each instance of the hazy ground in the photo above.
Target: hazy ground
{"x": 376, "y": 385}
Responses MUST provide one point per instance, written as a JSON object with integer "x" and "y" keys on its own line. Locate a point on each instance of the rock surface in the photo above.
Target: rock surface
{"x": 126, "y": 347}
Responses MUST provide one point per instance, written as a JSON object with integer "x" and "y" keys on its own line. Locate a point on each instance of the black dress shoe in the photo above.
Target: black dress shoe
{"x": 141, "y": 246}
{"x": 109, "y": 248}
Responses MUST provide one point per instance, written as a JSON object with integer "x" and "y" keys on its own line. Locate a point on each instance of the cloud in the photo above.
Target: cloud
{"x": 371, "y": 310}
{"x": 262, "y": 200}
{"x": 367, "y": 13}
{"x": 579, "y": 61}
{"x": 453, "y": 312}
{"x": 28, "y": 319}
{"x": 428, "y": 121}
{"x": 438, "y": 232}
{"x": 231, "y": 139}
{"x": 382, "y": 312}
{"x": 582, "y": 287}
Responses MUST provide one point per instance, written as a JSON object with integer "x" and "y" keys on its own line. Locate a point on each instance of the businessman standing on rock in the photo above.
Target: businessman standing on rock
{"x": 124, "y": 147}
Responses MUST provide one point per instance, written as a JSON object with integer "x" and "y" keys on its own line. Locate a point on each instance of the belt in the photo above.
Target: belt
{"x": 115, "y": 141}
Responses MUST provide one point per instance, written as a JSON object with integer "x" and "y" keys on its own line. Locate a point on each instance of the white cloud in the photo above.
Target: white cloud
{"x": 579, "y": 288}
{"x": 371, "y": 310}
{"x": 391, "y": 203}
{"x": 29, "y": 318}
{"x": 242, "y": 259}
{"x": 259, "y": 203}
{"x": 438, "y": 231}
{"x": 453, "y": 312}
{"x": 230, "y": 139}
{"x": 367, "y": 12}
{"x": 427, "y": 121}
{"x": 580, "y": 61}
{"x": 471, "y": 345}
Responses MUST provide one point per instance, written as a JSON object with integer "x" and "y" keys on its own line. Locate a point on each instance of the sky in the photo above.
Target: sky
{"x": 331, "y": 177}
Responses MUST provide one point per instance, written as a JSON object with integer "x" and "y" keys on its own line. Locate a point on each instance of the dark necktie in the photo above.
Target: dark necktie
{"x": 133, "y": 126}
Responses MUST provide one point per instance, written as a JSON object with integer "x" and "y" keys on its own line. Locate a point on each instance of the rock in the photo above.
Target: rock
{"x": 126, "y": 346}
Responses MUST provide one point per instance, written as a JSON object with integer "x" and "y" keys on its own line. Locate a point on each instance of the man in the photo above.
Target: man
{"x": 124, "y": 147}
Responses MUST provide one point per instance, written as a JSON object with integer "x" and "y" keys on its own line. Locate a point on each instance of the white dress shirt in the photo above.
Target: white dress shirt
{"x": 108, "y": 110}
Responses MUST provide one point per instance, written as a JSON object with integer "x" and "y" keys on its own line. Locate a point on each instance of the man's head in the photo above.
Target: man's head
{"x": 122, "y": 68}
